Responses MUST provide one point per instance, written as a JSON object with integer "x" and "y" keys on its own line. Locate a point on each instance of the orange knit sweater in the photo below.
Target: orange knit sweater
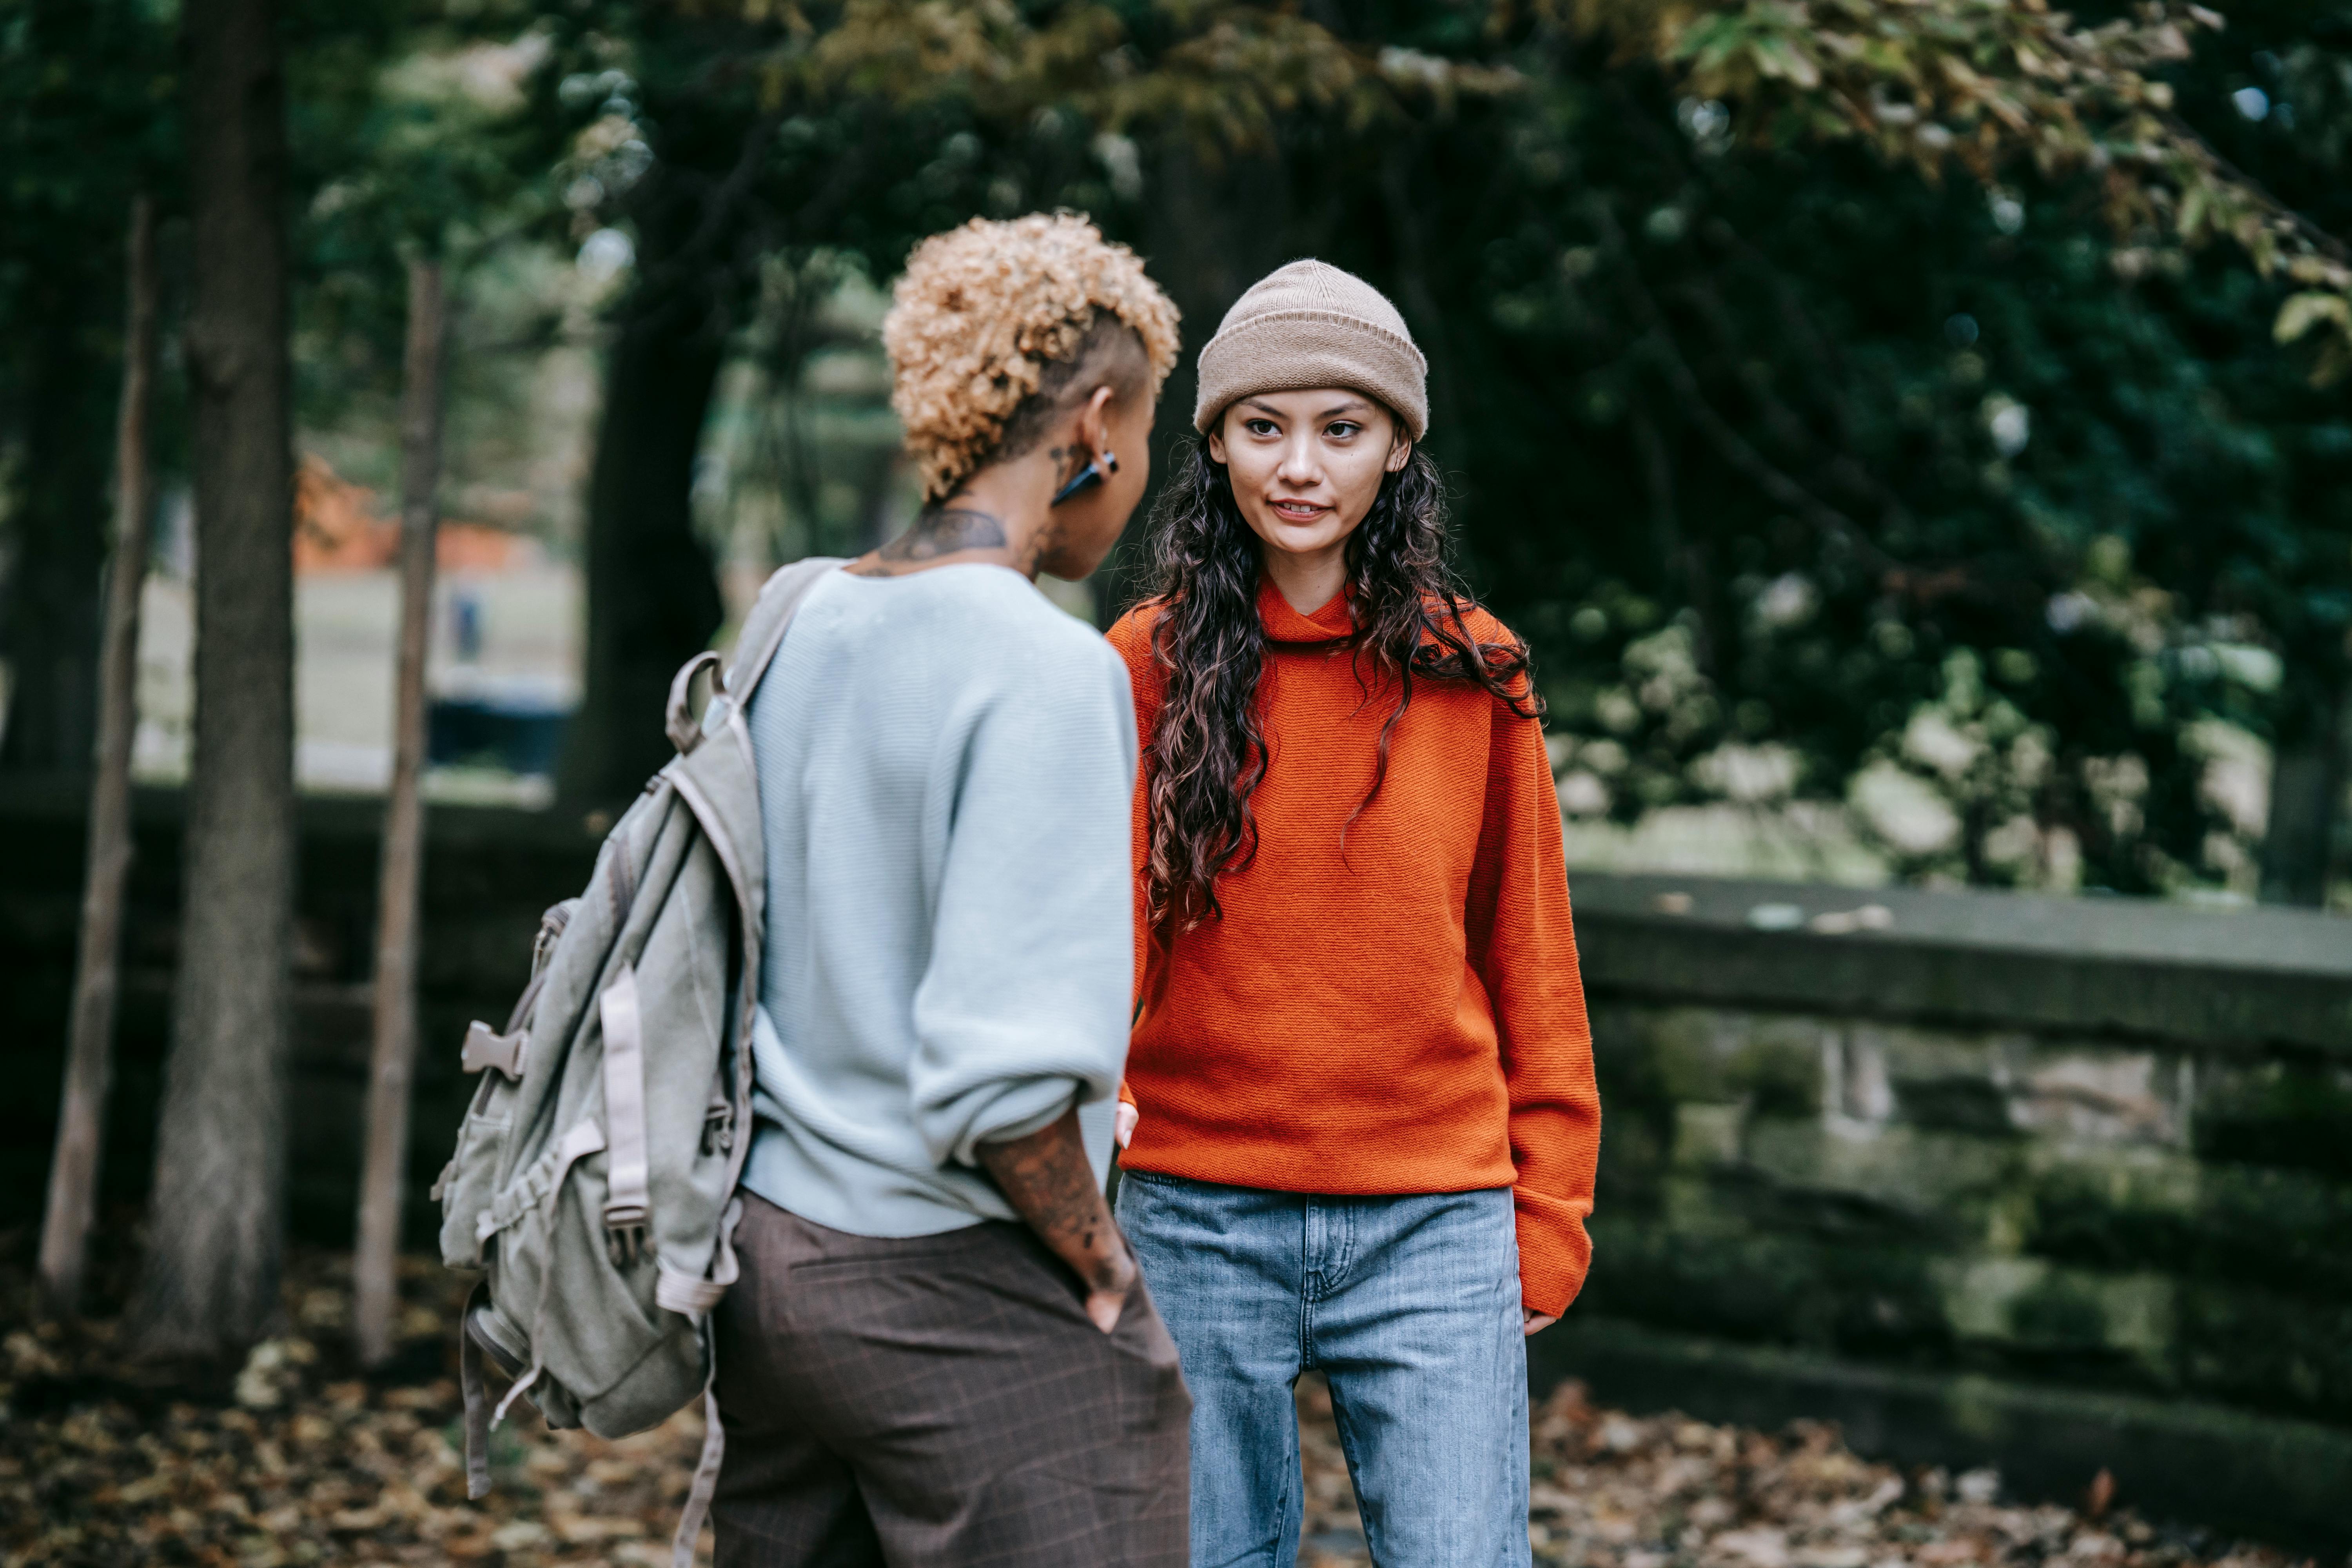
{"x": 1397, "y": 1013}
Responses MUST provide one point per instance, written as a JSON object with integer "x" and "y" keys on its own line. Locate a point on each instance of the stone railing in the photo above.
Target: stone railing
{"x": 2055, "y": 1184}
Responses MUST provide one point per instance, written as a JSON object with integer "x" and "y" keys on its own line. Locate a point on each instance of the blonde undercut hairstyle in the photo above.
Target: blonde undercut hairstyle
{"x": 995, "y": 324}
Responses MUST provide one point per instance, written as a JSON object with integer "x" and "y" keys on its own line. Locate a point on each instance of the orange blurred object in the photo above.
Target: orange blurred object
{"x": 335, "y": 525}
{"x": 337, "y": 528}
{"x": 477, "y": 547}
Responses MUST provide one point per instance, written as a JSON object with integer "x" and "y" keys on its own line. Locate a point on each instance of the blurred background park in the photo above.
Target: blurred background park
{"x": 1915, "y": 435}
{"x": 1867, "y": 525}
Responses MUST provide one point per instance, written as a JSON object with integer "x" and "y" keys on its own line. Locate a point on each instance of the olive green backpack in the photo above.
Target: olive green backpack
{"x": 593, "y": 1184}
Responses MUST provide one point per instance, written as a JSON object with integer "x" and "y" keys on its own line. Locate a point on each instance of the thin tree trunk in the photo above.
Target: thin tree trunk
{"x": 2307, "y": 784}
{"x": 90, "y": 1051}
{"x": 216, "y": 1220}
{"x": 1687, "y": 558}
{"x": 376, "y": 1277}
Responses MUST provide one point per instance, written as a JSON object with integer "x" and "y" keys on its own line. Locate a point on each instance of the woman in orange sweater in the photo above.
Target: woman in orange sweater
{"x": 1360, "y": 1121}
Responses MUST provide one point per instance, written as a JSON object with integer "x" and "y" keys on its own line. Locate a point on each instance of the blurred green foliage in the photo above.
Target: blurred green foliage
{"x": 1913, "y": 477}
{"x": 1820, "y": 455}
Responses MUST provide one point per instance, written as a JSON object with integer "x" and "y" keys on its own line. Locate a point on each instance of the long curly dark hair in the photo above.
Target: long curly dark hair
{"x": 1208, "y": 750}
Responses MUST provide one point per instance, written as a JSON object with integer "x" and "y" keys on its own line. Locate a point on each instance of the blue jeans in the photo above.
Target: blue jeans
{"x": 1410, "y": 1306}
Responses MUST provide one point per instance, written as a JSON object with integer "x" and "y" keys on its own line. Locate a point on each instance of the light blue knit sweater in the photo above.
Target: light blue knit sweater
{"x": 946, "y": 767}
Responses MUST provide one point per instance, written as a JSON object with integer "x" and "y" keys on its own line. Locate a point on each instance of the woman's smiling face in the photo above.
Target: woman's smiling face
{"x": 1306, "y": 467}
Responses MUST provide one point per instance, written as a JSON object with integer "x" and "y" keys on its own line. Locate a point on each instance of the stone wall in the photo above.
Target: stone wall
{"x": 2059, "y": 1185}
{"x": 2066, "y": 1183}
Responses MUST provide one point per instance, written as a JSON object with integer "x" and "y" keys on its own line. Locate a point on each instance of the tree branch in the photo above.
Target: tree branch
{"x": 1729, "y": 444}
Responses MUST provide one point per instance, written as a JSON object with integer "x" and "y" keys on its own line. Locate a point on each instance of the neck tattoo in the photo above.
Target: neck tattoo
{"x": 940, "y": 530}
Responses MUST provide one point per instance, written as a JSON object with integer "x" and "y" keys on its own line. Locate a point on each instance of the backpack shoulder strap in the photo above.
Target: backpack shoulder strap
{"x": 770, "y": 616}
{"x": 755, "y": 645}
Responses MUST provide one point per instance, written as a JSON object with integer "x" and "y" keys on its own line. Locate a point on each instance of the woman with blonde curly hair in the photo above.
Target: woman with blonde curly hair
{"x": 940, "y": 1350}
{"x": 1363, "y": 1123}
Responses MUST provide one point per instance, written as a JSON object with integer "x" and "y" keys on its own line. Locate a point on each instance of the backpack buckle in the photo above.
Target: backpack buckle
{"x": 625, "y": 1233}
{"x": 486, "y": 1047}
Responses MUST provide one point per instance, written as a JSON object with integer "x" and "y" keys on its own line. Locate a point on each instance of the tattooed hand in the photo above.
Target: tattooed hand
{"x": 1048, "y": 1180}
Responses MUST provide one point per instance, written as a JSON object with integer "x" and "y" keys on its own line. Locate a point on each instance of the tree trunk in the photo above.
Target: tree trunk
{"x": 90, "y": 1051}
{"x": 2308, "y": 777}
{"x": 376, "y": 1277}
{"x": 652, "y": 588}
{"x": 216, "y": 1220}
{"x": 59, "y": 527}
{"x": 1210, "y": 229}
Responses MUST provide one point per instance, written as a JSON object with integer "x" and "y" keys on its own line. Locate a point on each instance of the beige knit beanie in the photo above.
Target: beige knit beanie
{"x": 1312, "y": 324}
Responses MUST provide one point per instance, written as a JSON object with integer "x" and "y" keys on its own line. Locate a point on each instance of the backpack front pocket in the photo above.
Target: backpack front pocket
{"x": 464, "y": 1188}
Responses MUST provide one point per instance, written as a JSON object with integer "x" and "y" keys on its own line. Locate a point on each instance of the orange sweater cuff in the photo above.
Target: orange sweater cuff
{"x": 1554, "y": 1252}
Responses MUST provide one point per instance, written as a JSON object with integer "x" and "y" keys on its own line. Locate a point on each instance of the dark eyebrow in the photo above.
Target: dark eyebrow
{"x": 1352, "y": 405}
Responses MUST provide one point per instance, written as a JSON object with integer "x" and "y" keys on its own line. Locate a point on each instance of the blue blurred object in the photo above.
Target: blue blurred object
{"x": 467, "y": 611}
{"x": 517, "y": 726}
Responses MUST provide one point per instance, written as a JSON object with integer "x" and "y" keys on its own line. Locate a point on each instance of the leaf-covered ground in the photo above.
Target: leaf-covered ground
{"x": 300, "y": 1458}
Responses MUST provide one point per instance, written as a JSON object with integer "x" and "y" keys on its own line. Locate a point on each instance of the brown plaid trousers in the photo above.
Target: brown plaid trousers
{"x": 939, "y": 1400}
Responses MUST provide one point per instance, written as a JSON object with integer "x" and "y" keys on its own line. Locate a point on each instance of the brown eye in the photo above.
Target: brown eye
{"x": 1259, "y": 427}
{"x": 1340, "y": 429}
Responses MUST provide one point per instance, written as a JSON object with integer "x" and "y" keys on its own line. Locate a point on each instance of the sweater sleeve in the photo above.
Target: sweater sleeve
{"x": 1022, "y": 1006}
{"x": 1523, "y": 944}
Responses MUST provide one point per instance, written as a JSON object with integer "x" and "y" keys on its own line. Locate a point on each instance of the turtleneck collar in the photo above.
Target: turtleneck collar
{"x": 1282, "y": 624}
